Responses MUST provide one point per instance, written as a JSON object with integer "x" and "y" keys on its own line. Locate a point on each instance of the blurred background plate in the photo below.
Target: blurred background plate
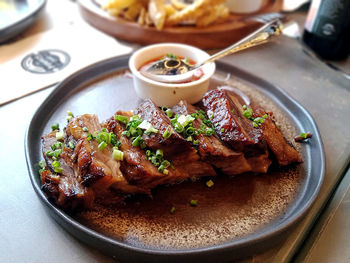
{"x": 214, "y": 36}
{"x": 18, "y": 15}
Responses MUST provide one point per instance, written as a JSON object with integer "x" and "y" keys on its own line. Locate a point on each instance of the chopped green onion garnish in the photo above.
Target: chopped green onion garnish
{"x": 155, "y": 161}
{"x": 195, "y": 142}
{"x": 90, "y": 137}
{"x": 165, "y": 163}
{"x": 55, "y": 126}
{"x": 133, "y": 132}
{"x": 56, "y": 145}
{"x": 172, "y": 210}
{"x": 71, "y": 145}
{"x": 244, "y": 107}
{"x": 56, "y": 164}
{"x": 265, "y": 116}
{"x": 102, "y": 146}
{"x": 209, "y": 183}
{"x": 189, "y": 139}
{"x": 118, "y": 155}
{"x": 85, "y": 129}
{"x": 189, "y": 131}
{"x": 69, "y": 118}
{"x": 70, "y": 113}
{"x": 42, "y": 164}
{"x": 161, "y": 168}
{"x": 167, "y": 133}
{"x": 147, "y": 126}
{"x": 57, "y": 153}
{"x": 104, "y": 137}
{"x": 121, "y": 118}
{"x": 49, "y": 153}
{"x": 303, "y": 135}
{"x": 209, "y": 131}
{"x": 193, "y": 202}
{"x": 248, "y": 113}
{"x": 222, "y": 130}
{"x": 159, "y": 153}
{"x": 126, "y": 133}
{"x": 166, "y": 171}
{"x": 58, "y": 170}
{"x": 143, "y": 144}
{"x": 255, "y": 125}
{"x": 59, "y": 136}
{"x": 178, "y": 127}
{"x": 137, "y": 141}
{"x": 169, "y": 113}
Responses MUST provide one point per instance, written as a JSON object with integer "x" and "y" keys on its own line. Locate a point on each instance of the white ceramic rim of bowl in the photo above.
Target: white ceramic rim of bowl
{"x": 209, "y": 69}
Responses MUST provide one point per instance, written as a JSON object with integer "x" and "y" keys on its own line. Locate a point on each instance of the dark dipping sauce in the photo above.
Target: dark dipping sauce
{"x": 171, "y": 65}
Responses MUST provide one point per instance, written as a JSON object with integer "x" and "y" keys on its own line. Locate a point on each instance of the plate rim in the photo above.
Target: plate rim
{"x": 226, "y": 246}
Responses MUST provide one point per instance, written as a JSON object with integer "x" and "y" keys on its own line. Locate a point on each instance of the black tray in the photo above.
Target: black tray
{"x": 103, "y": 88}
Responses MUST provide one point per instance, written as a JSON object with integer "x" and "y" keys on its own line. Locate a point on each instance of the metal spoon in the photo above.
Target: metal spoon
{"x": 260, "y": 36}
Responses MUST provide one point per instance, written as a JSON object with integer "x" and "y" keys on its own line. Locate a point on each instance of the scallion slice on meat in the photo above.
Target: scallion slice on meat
{"x": 121, "y": 118}
{"x": 102, "y": 146}
{"x": 55, "y": 126}
{"x": 59, "y": 136}
{"x": 117, "y": 155}
{"x": 167, "y": 133}
{"x": 194, "y": 202}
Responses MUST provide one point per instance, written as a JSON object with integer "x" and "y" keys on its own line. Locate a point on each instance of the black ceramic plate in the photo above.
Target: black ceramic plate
{"x": 17, "y": 15}
{"x": 237, "y": 217}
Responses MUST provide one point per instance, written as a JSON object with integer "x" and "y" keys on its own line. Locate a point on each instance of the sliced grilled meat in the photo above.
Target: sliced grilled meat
{"x": 211, "y": 149}
{"x": 283, "y": 151}
{"x": 63, "y": 188}
{"x": 232, "y": 127}
{"x": 135, "y": 166}
{"x": 96, "y": 167}
{"x": 175, "y": 148}
{"x": 140, "y": 171}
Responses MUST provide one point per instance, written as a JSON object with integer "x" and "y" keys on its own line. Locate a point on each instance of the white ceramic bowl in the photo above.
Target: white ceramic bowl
{"x": 167, "y": 94}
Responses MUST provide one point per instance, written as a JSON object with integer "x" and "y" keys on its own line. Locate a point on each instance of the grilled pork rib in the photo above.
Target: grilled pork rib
{"x": 231, "y": 126}
{"x": 283, "y": 151}
{"x": 175, "y": 148}
{"x": 88, "y": 172}
{"x": 235, "y": 129}
{"x": 211, "y": 149}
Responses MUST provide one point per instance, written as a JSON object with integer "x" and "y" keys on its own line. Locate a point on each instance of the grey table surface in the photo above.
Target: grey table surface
{"x": 28, "y": 234}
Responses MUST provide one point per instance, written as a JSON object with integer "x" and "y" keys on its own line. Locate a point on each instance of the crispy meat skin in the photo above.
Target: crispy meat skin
{"x": 236, "y": 130}
{"x": 284, "y": 153}
{"x": 64, "y": 189}
{"x": 211, "y": 149}
{"x": 230, "y": 124}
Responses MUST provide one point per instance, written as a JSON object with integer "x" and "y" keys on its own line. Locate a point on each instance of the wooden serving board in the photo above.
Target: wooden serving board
{"x": 214, "y": 36}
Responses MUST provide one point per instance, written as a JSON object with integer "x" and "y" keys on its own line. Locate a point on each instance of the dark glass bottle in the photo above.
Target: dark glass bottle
{"x": 327, "y": 28}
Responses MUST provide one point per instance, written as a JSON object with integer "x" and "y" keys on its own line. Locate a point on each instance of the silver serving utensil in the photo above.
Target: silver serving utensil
{"x": 260, "y": 36}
